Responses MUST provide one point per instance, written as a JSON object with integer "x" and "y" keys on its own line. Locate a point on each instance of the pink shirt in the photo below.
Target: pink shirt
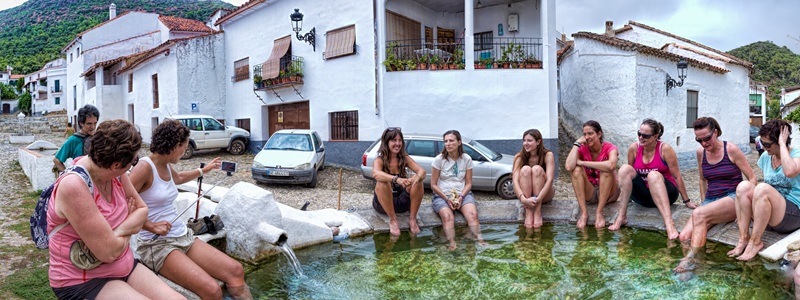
{"x": 586, "y": 155}
{"x": 656, "y": 164}
{"x": 62, "y": 273}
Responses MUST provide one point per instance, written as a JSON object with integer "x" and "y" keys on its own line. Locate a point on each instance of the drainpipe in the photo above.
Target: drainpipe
{"x": 469, "y": 45}
{"x": 271, "y": 234}
{"x": 380, "y": 48}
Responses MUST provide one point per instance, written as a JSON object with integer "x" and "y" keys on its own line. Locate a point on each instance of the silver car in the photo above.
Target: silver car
{"x": 491, "y": 170}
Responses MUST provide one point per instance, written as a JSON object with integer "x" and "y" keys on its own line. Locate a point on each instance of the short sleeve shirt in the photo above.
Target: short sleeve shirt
{"x": 72, "y": 148}
{"x": 586, "y": 155}
{"x": 452, "y": 172}
{"x": 788, "y": 187}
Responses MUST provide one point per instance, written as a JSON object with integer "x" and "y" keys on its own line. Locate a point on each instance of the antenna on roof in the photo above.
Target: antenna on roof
{"x": 794, "y": 38}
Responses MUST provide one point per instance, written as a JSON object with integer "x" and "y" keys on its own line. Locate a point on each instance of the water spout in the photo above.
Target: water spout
{"x": 272, "y": 234}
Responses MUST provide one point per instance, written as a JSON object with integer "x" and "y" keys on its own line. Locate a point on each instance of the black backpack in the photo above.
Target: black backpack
{"x": 39, "y": 217}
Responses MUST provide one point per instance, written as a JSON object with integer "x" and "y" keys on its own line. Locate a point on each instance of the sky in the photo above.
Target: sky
{"x": 720, "y": 24}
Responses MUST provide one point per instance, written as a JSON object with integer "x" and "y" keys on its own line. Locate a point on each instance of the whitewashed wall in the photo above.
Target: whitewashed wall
{"x": 199, "y": 78}
{"x": 142, "y": 95}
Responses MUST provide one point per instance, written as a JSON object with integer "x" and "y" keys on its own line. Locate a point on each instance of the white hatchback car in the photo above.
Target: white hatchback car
{"x": 491, "y": 170}
{"x": 290, "y": 156}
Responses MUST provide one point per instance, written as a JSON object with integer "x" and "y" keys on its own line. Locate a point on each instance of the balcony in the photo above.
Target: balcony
{"x": 57, "y": 89}
{"x": 489, "y": 53}
{"x": 290, "y": 73}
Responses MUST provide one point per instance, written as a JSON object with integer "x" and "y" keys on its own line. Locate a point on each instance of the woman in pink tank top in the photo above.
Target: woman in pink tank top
{"x": 651, "y": 177}
{"x": 593, "y": 163}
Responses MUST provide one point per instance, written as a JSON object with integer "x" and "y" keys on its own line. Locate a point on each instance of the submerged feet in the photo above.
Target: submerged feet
{"x": 618, "y": 223}
{"x": 600, "y": 221}
{"x": 672, "y": 233}
{"x": 687, "y": 264}
{"x": 413, "y": 227}
{"x": 582, "y": 220}
{"x": 740, "y": 246}
{"x": 751, "y": 251}
{"x": 394, "y": 227}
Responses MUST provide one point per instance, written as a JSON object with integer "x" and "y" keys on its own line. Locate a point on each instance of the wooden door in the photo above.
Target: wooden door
{"x": 289, "y": 116}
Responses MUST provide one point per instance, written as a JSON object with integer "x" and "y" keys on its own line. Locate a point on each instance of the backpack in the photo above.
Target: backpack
{"x": 39, "y": 218}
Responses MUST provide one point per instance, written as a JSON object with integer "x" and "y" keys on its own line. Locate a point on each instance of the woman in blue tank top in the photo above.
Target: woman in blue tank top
{"x": 720, "y": 165}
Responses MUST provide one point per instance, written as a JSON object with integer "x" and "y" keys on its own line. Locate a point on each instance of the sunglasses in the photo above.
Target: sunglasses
{"x": 705, "y": 139}
{"x": 390, "y": 129}
{"x": 644, "y": 135}
{"x": 766, "y": 144}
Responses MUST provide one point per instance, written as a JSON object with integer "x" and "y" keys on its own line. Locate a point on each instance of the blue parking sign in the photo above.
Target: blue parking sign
{"x": 195, "y": 107}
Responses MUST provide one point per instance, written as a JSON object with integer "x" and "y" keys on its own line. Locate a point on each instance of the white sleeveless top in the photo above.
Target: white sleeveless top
{"x": 159, "y": 199}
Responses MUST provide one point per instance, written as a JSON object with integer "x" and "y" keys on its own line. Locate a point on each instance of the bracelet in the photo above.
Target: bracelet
{"x": 687, "y": 200}
{"x": 394, "y": 179}
{"x": 576, "y": 144}
{"x": 201, "y": 171}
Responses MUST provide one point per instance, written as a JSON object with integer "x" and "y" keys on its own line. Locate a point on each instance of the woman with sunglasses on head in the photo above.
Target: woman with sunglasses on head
{"x": 451, "y": 184}
{"x": 592, "y": 163}
{"x": 772, "y": 204}
{"x": 533, "y": 174}
{"x": 720, "y": 165}
{"x": 395, "y": 191}
{"x": 651, "y": 177}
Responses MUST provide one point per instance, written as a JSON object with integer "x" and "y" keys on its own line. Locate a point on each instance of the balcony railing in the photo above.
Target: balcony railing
{"x": 56, "y": 89}
{"x": 291, "y": 72}
{"x": 416, "y": 54}
{"x": 511, "y": 52}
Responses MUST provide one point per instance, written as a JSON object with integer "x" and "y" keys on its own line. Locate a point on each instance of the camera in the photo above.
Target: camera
{"x": 228, "y": 166}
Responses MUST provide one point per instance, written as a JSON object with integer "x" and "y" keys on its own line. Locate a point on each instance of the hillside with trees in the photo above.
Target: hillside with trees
{"x": 35, "y": 32}
{"x": 776, "y": 66}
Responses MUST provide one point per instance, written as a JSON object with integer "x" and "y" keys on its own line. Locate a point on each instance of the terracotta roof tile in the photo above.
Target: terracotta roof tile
{"x": 236, "y": 11}
{"x": 17, "y": 76}
{"x": 632, "y": 46}
{"x": 560, "y": 53}
{"x": 181, "y": 24}
{"x": 792, "y": 88}
{"x": 734, "y": 60}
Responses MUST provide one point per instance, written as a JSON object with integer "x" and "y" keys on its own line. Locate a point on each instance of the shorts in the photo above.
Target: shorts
{"x": 439, "y": 202}
{"x": 791, "y": 219}
{"x": 596, "y": 195}
{"x": 90, "y": 289}
{"x": 641, "y": 193}
{"x": 401, "y": 200}
{"x": 712, "y": 199}
{"x": 153, "y": 253}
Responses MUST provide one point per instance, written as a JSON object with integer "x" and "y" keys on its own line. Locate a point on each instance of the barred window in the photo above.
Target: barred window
{"x": 483, "y": 40}
{"x": 344, "y": 125}
{"x": 155, "y": 90}
{"x": 130, "y": 83}
{"x": 241, "y": 69}
{"x": 691, "y": 108}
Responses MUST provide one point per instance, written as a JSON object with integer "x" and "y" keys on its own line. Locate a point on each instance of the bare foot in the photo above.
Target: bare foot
{"x": 599, "y": 221}
{"x": 394, "y": 227}
{"x": 685, "y": 236}
{"x": 740, "y": 246}
{"x": 537, "y": 220}
{"x": 751, "y": 251}
{"x": 529, "y": 219}
{"x": 672, "y": 233}
{"x": 412, "y": 224}
{"x": 618, "y": 223}
{"x": 452, "y": 246}
{"x": 482, "y": 243}
{"x": 687, "y": 264}
{"x": 582, "y": 220}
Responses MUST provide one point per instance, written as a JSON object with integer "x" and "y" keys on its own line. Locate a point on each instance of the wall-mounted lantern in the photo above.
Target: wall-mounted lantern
{"x": 672, "y": 83}
{"x": 297, "y": 26}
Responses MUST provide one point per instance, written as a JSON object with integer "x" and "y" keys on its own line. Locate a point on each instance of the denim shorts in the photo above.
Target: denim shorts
{"x": 439, "y": 203}
{"x": 712, "y": 199}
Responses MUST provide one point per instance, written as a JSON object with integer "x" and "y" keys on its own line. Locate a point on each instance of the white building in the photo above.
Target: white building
{"x": 46, "y": 87}
{"x": 347, "y": 95}
{"x": 790, "y": 99}
{"x": 96, "y": 56}
{"x": 5, "y": 75}
{"x": 758, "y": 103}
{"x": 619, "y": 79}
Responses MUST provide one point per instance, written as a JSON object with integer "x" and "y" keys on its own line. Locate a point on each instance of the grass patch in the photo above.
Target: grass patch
{"x": 30, "y": 283}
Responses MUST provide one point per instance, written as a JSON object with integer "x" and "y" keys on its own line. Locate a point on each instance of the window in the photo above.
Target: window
{"x": 78, "y": 52}
{"x": 483, "y": 41}
{"x": 70, "y": 57}
{"x": 74, "y": 98}
{"x": 317, "y": 141}
{"x": 446, "y": 39}
{"x": 428, "y": 37}
{"x": 155, "y": 91}
{"x": 57, "y": 86}
{"x": 401, "y": 28}
{"x": 421, "y": 148}
{"x": 1, "y": 75}
{"x": 130, "y": 83}
{"x": 691, "y": 108}
{"x": 241, "y": 69}
{"x": 58, "y": 100}
{"x": 211, "y": 124}
{"x": 243, "y": 124}
{"x": 340, "y": 42}
{"x": 344, "y": 125}
{"x": 154, "y": 122}
{"x": 193, "y": 124}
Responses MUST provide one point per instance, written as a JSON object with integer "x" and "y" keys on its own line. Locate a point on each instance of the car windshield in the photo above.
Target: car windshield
{"x": 494, "y": 156}
{"x": 288, "y": 141}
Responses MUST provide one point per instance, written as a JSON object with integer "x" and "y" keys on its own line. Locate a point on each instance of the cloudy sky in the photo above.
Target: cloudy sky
{"x": 720, "y": 24}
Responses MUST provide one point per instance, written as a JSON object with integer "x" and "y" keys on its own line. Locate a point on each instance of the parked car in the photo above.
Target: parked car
{"x": 753, "y": 133}
{"x": 208, "y": 133}
{"x": 290, "y": 156}
{"x": 491, "y": 170}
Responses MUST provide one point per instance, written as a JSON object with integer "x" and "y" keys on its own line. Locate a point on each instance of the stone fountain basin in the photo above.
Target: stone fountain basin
{"x": 36, "y": 161}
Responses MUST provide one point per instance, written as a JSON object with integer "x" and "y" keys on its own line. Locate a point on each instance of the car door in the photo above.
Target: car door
{"x": 319, "y": 149}
{"x": 423, "y": 152}
{"x": 481, "y": 169}
{"x": 214, "y": 133}
{"x": 195, "y": 131}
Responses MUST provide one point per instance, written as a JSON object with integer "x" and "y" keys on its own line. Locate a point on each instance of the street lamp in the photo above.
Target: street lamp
{"x": 672, "y": 83}
{"x": 297, "y": 26}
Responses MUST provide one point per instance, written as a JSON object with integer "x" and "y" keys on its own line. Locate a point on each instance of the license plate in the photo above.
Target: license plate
{"x": 278, "y": 173}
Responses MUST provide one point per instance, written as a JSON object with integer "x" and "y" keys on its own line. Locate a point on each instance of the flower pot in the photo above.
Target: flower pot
{"x": 423, "y": 66}
{"x": 434, "y": 67}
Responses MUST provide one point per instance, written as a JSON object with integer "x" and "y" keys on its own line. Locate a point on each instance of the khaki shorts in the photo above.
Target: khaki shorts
{"x": 153, "y": 253}
{"x": 596, "y": 195}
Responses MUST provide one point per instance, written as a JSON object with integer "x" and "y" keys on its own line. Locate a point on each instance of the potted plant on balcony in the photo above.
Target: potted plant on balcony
{"x": 458, "y": 59}
{"x": 257, "y": 82}
{"x": 424, "y": 60}
{"x": 391, "y": 61}
{"x": 519, "y": 56}
{"x": 505, "y": 59}
{"x": 435, "y": 61}
{"x": 532, "y": 63}
{"x": 411, "y": 64}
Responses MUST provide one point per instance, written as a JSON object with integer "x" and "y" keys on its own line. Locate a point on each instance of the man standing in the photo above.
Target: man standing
{"x": 74, "y": 146}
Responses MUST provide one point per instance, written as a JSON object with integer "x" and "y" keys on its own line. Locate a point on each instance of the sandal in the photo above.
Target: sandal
{"x": 81, "y": 257}
{"x": 198, "y": 226}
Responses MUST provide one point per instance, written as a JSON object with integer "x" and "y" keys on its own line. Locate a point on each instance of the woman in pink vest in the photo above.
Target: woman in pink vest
{"x": 594, "y": 181}
{"x": 102, "y": 216}
{"x": 651, "y": 177}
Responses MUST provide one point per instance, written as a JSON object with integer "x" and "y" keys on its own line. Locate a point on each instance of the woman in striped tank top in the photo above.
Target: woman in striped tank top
{"x": 720, "y": 165}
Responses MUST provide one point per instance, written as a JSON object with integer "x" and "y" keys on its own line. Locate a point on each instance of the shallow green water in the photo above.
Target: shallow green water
{"x": 556, "y": 262}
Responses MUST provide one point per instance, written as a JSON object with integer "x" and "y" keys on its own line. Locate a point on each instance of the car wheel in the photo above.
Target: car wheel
{"x": 237, "y": 147}
{"x": 188, "y": 153}
{"x": 505, "y": 187}
{"x": 322, "y": 164}
{"x": 313, "y": 182}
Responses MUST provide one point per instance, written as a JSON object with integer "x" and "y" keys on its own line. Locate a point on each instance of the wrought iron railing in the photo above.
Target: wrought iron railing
{"x": 511, "y": 50}
{"x": 400, "y": 54}
{"x": 290, "y": 71}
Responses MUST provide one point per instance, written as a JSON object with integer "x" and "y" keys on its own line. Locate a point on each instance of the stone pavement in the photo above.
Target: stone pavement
{"x": 511, "y": 211}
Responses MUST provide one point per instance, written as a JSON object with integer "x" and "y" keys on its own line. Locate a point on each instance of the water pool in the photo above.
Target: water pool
{"x": 556, "y": 262}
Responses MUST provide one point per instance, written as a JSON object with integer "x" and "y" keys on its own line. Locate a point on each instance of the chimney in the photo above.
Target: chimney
{"x": 112, "y": 11}
{"x": 610, "y": 28}
{"x": 564, "y": 37}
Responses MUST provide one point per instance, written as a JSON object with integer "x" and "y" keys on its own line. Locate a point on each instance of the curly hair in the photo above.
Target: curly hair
{"x": 656, "y": 128}
{"x": 707, "y": 122}
{"x": 772, "y": 130}
{"x": 167, "y": 136}
{"x": 115, "y": 141}
{"x": 86, "y": 111}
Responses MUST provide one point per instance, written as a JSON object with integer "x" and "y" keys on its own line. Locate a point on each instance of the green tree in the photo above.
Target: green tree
{"x": 773, "y": 109}
{"x": 24, "y": 103}
{"x": 7, "y": 92}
